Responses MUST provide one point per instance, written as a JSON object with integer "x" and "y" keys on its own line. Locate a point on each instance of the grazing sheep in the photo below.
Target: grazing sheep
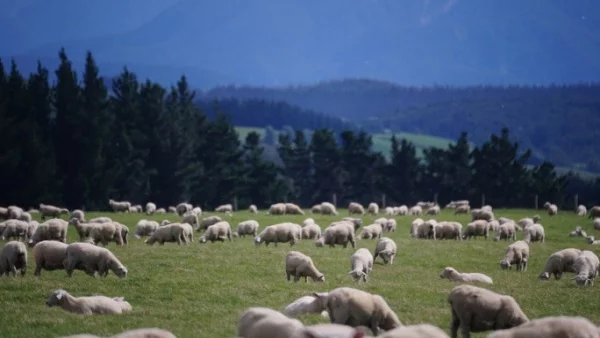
{"x": 328, "y": 209}
{"x": 353, "y": 307}
{"x": 338, "y": 233}
{"x": 551, "y": 327}
{"x": 361, "y": 264}
{"x": 304, "y": 305}
{"x": 191, "y": 217}
{"x": 160, "y": 211}
{"x": 275, "y": 327}
{"x": 50, "y": 256}
{"x": 581, "y": 210}
{"x": 481, "y": 214}
{"x": 387, "y": 224}
{"x": 516, "y": 253}
{"x": 293, "y": 209}
{"x": 414, "y": 227}
{"x": 14, "y": 212}
{"x": 596, "y": 224}
{"x": 311, "y": 231}
{"x": 119, "y": 206}
{"x": 208, "y": 221}
{"x": 551, "y": 208}
{"x": 386, "y": 249}
{"x": 150, "y": 208}
{"x": 51, "y": 211}
{"x": 15, "y": 229}
{"x": 534, "y": 233}
{"x": 248, "y": 318}
{"x": 299, "y": 265}
{"x": 103, "y": 233}
{"x": 462, "y": 209}
{"x": 172, "y": 232}
{"x": 217, "y": 232}
{"x": 476, "y": 309}
{"x": 402, "y": 210}
{"x": 249, "y": 227}
{"x": 449, "y": 230}
{"x": 373, "y": 208}
{"x": 560, "y": 262}
{"x": 356, "y": 221}
{"x": 77, "y": 214}
{"x": 372, "y": 231}
{"x": 477, "y": 228}
{"x": 182, "y": 208}
{"x": 187, "y": 233}
{"x": 55, "y": 229}
{"x": 279, "y": 233}
{"x": 578, "y": 232}
{"x": 307, "y": 222}
{"x": 145, "y": 228}
{"x": 225, "y": 208}
{"x": 503, "y": 220}
{"x": 355, "y": 208}
{"x": 594, "y": 212}
{"x": 13, "y": 257}
{"x": 253, "y": 209}
{"x": 172, "y": 209}
{"x": 415, "y": 331}
{"x": 451, "y": 274}
{"x": 586, "y": 268}
{"x": 83, "y": 229}
{"x": 434, "y": 210}
{"x": 276, "y": 209}
{"x": 316, "y": 209}
{"x": 494, "y": 224}
{"x": 415, "y": 211}
{"x": 524, "y": 222}
{"x": 92, "y": 305}
{"x": 506, "y": 231}
{"x": 93, "y": 259}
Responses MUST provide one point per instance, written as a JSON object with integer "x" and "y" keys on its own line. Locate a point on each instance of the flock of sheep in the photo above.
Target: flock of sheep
{"x": 352, "y": 312}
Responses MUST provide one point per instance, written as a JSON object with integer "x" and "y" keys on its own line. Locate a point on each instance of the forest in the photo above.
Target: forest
{"x": 76, "y": 142}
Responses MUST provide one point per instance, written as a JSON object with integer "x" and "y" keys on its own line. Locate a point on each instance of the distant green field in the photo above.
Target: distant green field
{"x": 382, "y": 143}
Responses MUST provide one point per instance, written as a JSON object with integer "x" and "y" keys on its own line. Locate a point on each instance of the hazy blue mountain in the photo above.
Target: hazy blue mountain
{"x": 270, "y": 42}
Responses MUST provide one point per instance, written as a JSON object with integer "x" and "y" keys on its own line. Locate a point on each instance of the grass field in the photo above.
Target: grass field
{"x": 199, "y": 290}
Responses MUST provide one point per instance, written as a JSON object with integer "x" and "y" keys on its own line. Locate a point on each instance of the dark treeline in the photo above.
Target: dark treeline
{"x": 76, "y": 144}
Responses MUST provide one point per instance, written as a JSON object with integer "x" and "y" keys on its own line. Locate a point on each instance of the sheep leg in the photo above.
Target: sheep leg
{"x": 13, "y": 269}
{"x": 454, "y": 324}
{"x": 288, "y": 276}
{"x": 70, "y": 267}
{"x": 38, "y": 270}
{"x": 297, "y": 277}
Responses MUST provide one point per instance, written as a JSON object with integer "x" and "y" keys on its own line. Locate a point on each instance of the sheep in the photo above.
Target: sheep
{"x": 182, "y": 208}
{"x": 592, "y": 240}
{"x": 355, "y": 208}
{"x": 187, "y": 233}
{"x": 15, "y": 229}
{"x": 551, "y": 208}
{"x": 372, "y": 231}
{"x": 150, "y": 208}
{"x": 13, "y": 257}
{"x": 50, "y": 256}
{"x": 415, "y": 331}
{"x": 594, "y": 212}
{"x": 275, "y": 327}
{"x": 449, "y": 230}
{"x": 338, "y": 233}
{"x": 506, "y": 231}
{"x": 276, "y": 209}
{"x": 476, "y": 309}
{"x": 373, "y": 208}
{"x": 462, "y": 209}
{"x": 172, "y": 209}
{"x": 328, "y": 209}
{"x": 388, "y": 224}
{"x": 91, "y": 305}
{"x": 249, "y": 227}
{"x": 293, "y": 209}
{"x": 278, "y": 233}
{"x": 3, "y": 213}
{"x": 353, "y": 307}
{"x": 534, "y": 233}
{"x": 551, "y": 327}
{"x": 586, "y": 268}
{"x": 77, "y": 214}
{"x": 307, "y": 222}
{"x": 415, "y": 211}
{"x": 172, "y": 232}
{"x": 251, "y": 316}
{"x": 388, "y": 211}
{"x": 31, "y": 228}
{"x": 152, "y": 332}
{"x": 311, "y": 231}
{"x": 316, "y": 209}
{"x": 304, "y": 305}
{"x": 103, "y": 233}
{"x": 51, "y": 229}
{"x": 300, "y": 265}
{"x": 581, "y": 210}
{"x": 145, "y": 228}
{"x": 137, "y": 208}
{"x": 119, "y": 206}
{"x": 361, "y": 263}
{"x": 524, "y": 222}
{"x": 208, "y": 221}
{"x": 560, "y": 262}
{"x": 101, "y": 220}
{"x": 414, "y": 227}
{"x": 217, "y": 232}
{"x": 333, "y": 331}
{"x": 25, "y": 217}
{"x": 83, "y": 229}
{"x": 51, "y": 211}
{"x": 435, "y": 210}
{"x": 503, "y": 220}
{"x": 225, "y": 208}
{"x": 480, "y": 214}
{"x": 93, "y": 259}
{"x": 477, "y": 228}
{"x": 451, "y": 274}
{"x": 578, "y": 232}
{"x": 14, "y": 212}
{"x": 516, "y": 253}
{"x": 493, "y": 225}
{"x": 191, "y": 217}
{"x": 356, "y": 221}
{"x": 596, "y": 223}
{"x": 253, "y": 209}
{"x": 386, "y": 249}
{"x": 160, "y": 211}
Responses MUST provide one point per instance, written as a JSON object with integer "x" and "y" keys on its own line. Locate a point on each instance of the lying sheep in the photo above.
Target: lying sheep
{"x": 373, "y": 208}
{"x": 91, "y": 305}
{"x": 353, "y": 307}
{"x": 145, "y": 228}
{"x": 516, "y": 253}
{"x": 50, "y": 256}
{"x": 93, "y": 259}
{"x": 248, "y": 318}
{"x": 560, "y": 262}
{"x": 101, "y": 220}
{"x": 160, "y": 211}
{"x": 551, "y": 327}
{"x": 506, "y": 231}
{"x": 592, "y": 240}
{"x": 415, "y": 331}
{"x": 338, "y": 233}
{"x": 451, "y": 274}
{"x": 476, "y": 228}
{"x": 311, "y": 231}
{"x": 253, "y": 209}
{"x": 208, "y": 221}
{"x": 372, "y": 231}
{"x": 172, "y": 232}
{"x": 305, "y": 305}
{"x": 249, "y": 227}
{"x": 476, "y": 309}
{"x": 152, "y": 332}
{"x": 328, "y": 209}
{"x": 355, "y": 208}
{"x": 299, "y": 265}
{"x": 586, "y": 268}
{"x": 578, "y": 232}
{"x": 279, "y": 233}
{"x": 534, "y": 233}
{"x": 386, "y": 249}
{"x": 361, "y": 264}
{"x": 13, "y": 257}
{"x": 217, "y": 232}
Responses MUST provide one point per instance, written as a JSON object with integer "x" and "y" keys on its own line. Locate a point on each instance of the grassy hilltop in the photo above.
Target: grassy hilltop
{"x": 199, "y": 290}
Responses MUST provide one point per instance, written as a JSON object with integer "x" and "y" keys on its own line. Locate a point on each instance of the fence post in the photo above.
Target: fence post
{"x": 235, "y": 203}
{"x": 383, "y": 200}
{"x": 482, "y": 200}
{"x": 435, "y": 196}
{"x": 576, "y": 201}
{"x": 334, "y": 199}
{"x": 535, "y": 202}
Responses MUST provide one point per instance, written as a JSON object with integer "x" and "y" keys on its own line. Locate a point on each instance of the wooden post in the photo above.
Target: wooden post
{"x": 576, "y": 201}
{"x": 334, "y": 199}
{"x": 235, "y": 203}
{"x": 482, "y": 200}
{"x": 383, "y": 200}
{"x": 535, "y": 202}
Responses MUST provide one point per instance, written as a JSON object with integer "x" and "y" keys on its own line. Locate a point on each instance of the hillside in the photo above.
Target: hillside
{"x": 264, "y": 42}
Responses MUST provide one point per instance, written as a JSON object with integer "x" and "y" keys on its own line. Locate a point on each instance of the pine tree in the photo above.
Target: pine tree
{"x": 405, "y": 171}
{"x": 459, "y": 168}
{"x": 301, "y": 168}
{"x": 327, "y": 175}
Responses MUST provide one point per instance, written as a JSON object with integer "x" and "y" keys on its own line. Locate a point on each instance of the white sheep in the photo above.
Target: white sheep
{"x": 361, "y": 264}
{"x": 51, "y": 211}
{"x": 83, "y": 229}
{"x": 333, "y": 331}
{"x": 338, "y": 233}
{"x": 534, "y": 233}
{"x": 449, "y": 230}
{"x": 300, "y": 265}
{"x": 578, "y": 232}
{"x": 249, "y": 227}
{"x": 415, "y": 211}
{"x": 402, "y": 210}
{"x": 248, "y": 318}
{"x": 462, "y": 209}
{"x": 208, "y": 221}
{"x": 219, "y": 231}
{"x": 551, "y": 327}
{"x": 77, "y": 214}
{"x": 15, "y": 229}
{"x": 101, "y": 220}
{"x": 151, "y": 332}
{"x": 103, "y": 233}
{"x": 373, "y": 208}
{"x": 293, "y": 209}
{"x": 581, "y": 210}
{"x": 150, "y": 208}
{"x": 503, "y": 220}
{"x": 13, "y": 257}
{"x": 172, "y": 232}
{"x": 253, "y": 209}
{"x": 91, "y": 305}
{"x": 305, "y": 305}
{"x": 586, "y": 268}
{"x": 594, "y": 212}
{"x": 14, "y": 212}
{"x": 311, "y": 231}
{"x": 182, "y": 208}
{"x": 276, "y": 327}
{"x": 551, "y": 208}
{"x": 328, "y": 209}
{"x": 476, "y": 309}
{"x": 279, "y": 233}
{"x": 415, "y": 331}
{"x": 55, "y": 229}
{"x": 372, "y": 231}
{"x": 316, "y": 209}
{"x": 506, "y": 231}
{"x": 592, "y": 240}
{"x": 276, "y": 209}
{"x": 476, "y": 228}
{"x": 160, "y": 211}
{"x": 119, "y": 206}
{"x": 451, "y": 274}
{"x": 145, "y": 228}
{"x": 50, "y": 256}
{"x": 224, "y": 208}
{"x": 560, "y": 262}
{"x": 481, "y": 214}
{"x": 596, "y": 224}
{"x": 355, "y": 307}
{"x": 516, "y": 253}
{"x": 355, "y": 208}
{"x": 414, "y": 227}
{"x": 356, "y": 221}
{"x": 93, "y": 259}
{"x": 386, "y": 249}
{"x": 388, "y": 224}
{"x": 434, "y": 210}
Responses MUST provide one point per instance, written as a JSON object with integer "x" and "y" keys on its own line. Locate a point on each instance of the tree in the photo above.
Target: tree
{"x": 459, "y": 168}
{"x": 327, "y": 171}
{"x": 300, "y": 168}
{"x": 269, "y": 138}
{"x": 404, "y": 171}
